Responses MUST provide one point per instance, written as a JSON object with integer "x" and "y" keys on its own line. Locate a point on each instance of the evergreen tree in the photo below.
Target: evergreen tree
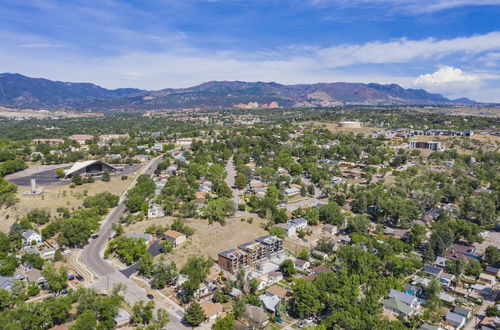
{"x": 194, "y": 314}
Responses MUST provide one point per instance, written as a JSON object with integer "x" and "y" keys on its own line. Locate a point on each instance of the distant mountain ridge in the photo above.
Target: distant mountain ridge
{"x": 21, "y": 91}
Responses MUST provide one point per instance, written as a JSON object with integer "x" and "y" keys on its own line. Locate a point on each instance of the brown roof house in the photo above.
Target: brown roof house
{"x": 175, "y": 236}
{"x": 211, "y": 310}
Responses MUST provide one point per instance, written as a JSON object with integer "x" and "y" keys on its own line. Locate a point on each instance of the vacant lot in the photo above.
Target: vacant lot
{"x": 60, "y": 196}
{"x": 208, "y": 240}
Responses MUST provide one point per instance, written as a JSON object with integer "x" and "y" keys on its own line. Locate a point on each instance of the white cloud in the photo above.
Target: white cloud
{"x": 408, "y": 6}
{"x": 405, "y": 50}
{"x": 446, "y": 75}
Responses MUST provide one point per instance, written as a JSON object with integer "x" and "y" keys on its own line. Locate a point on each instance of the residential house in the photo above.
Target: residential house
{"x": 290, "y": 192}
{"x": 6, "y": 282}
{"x": 457, "y": 320}
{"x": 289, "y": 230}
{"x": 432, "y": 271}
{"x": 397, "y": 307}
{"x": 405, "y": 298}
{"x": 302, "y": 264}
{"x": 175, "y": 236}
{"x": 321, "y": 269}
{"x": 211, "y": 310}
{"x": 277, "y": 291}
{"x": 30, "y": 236}
{"x": 462, "y": 311}
{"x": 148, "y": 238}
{"x": 487, "y": 279}
{"x": 490, "y": 323}
{"x": 48, "y": 253}
{"x": 299, "y": 223}
{"x": 331, "y": 229}
{"x": 440, "y": 262}
{"x": 492, "y": 271}
{"x": 445, "y": 279}
{"x": 256, "y": 317}
{"x": 35, "y": 275}
{"x": 269, "y": 301}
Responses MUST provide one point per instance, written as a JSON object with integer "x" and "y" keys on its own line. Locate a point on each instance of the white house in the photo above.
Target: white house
{"x": 302, "y": 264}
{"x": 289, "y": 230}
{"x": 299, "y": 223}
{"x": 175, "y": 236}
{"x": 30, "y": 236}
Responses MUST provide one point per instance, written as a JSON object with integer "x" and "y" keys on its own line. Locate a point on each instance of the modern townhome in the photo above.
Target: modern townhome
{"x": 250, "y": 253}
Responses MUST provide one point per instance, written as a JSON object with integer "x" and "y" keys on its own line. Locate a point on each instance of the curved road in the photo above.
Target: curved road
{"x": 92, "y": 256}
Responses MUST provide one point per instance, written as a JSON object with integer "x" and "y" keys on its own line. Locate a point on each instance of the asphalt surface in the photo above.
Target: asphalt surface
{"x": 48, "y": 177}
{"x": 92, "y": 257}
{"x": 154, "y": 249}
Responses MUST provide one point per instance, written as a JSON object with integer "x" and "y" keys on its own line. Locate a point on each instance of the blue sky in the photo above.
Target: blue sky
{"x": 446, "y": 46}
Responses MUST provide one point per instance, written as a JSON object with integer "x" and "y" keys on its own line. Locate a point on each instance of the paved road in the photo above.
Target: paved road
{"x": 231, "y": 173}
{"x": 92, "y": 258}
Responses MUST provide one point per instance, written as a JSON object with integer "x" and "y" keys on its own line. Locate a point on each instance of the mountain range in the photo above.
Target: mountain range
{"x": 21, "y": 91}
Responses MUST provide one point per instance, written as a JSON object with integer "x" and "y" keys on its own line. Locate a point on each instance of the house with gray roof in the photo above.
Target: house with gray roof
{"x": 457, "y": 320}
{"x": 30, "y": 236}
{"x": 404, "y": 297}
{"x": 6, "y": 282}
{"x": 397, "y": 307}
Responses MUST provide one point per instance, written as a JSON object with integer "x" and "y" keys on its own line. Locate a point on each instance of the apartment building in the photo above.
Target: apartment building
{"x": 250, "y": 253}
{"x": 231, "y": 260}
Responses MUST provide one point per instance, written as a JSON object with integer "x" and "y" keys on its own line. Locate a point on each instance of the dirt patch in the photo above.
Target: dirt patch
{"x": 208, "y": 240}
{"x": 60, "y": 196}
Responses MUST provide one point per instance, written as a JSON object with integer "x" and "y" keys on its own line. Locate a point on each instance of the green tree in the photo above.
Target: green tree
{"x": 142, "y": 313}
{"x": 167, "y": 246}
{"x": 105, "y": 176}
{"x": 492, "y": 256}
{"x": 225, "y": 323}
{"x": 473, "y": 268}
{"x": 57, "y": 280}
{"x": 417, "y": 234}
{"x": 38, "y": 216}
{"x": 288, "y": 268}
{"x": 77, "y": 179}
{"x": 194, "y": 314}
{"x": 196, "y": 269}
{"x": 332, "y": 214}
{"x": 240, "y": 180}
{"x": 307, "y": 298}
{"x": 359, "y": 224}
{"x": 86, "y": 320}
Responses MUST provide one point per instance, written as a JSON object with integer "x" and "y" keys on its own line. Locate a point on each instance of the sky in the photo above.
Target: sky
{"x": 450, "y": 47}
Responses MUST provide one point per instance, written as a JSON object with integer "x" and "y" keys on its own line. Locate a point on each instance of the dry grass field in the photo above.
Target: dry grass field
{"x": 60, "y": 196}
{"x": 208, "y": 240}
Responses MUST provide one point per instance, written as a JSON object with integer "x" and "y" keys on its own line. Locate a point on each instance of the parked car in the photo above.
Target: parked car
{"x": 80, "y": 278}
{"x": 150, "y": 296}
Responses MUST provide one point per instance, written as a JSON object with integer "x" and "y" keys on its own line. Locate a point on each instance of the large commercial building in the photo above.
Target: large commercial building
{"x": 88, "y": 168}
{"x": 350, "y": 124}
{"x": 426, "y": 145}
{"x": 250, "y": 253}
